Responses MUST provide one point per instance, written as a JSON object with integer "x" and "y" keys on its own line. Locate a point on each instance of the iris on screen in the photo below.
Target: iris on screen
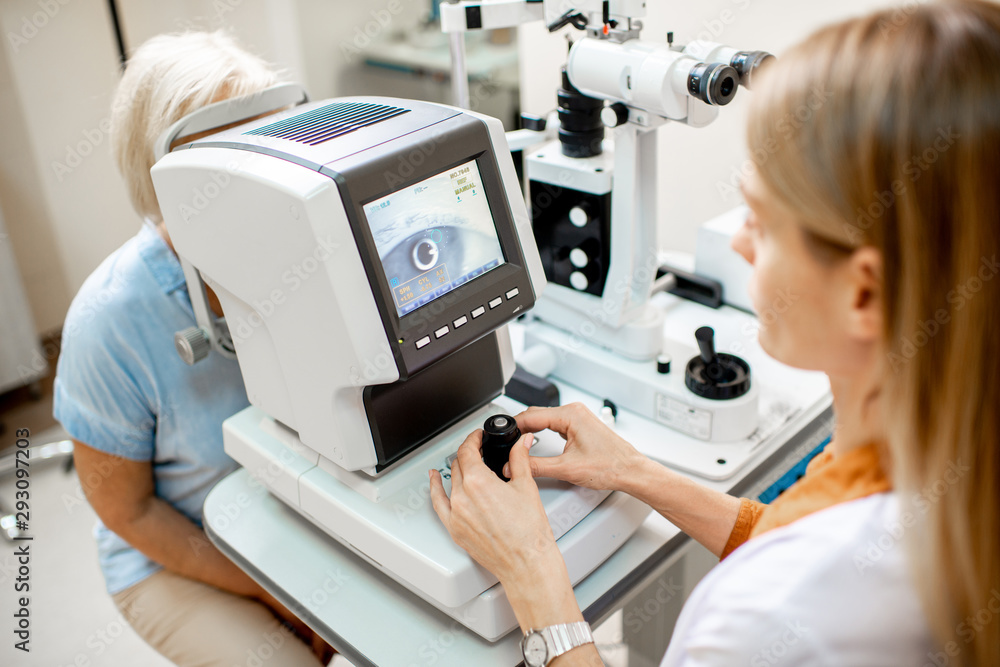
{"x": 434, "y": 236}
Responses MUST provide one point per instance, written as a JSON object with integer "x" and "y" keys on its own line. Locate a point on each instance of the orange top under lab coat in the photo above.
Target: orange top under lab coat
{"x": 827, "y": 482}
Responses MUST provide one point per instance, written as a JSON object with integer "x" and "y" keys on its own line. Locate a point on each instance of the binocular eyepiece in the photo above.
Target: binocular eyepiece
{"x": 746, "y": 63}
{"x": 713, "y": 83}
{"x": 716, "y": 82}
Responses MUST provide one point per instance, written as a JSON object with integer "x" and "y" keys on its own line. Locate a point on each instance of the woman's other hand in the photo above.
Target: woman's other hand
{"x": 501, "y": 524}
{"x": 594, "y": 457}
{"x": 504, "y": 528}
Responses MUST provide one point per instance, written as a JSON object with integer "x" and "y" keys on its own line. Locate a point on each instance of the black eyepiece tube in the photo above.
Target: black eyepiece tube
{"x": 746, "y": 63}
{"x": 713, "y": 83}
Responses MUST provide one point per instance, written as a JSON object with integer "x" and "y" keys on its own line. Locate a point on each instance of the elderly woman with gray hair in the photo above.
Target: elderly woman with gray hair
{"x": 146, "y": 427}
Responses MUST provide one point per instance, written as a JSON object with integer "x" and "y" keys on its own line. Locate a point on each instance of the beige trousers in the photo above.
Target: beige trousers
{"x": 196, "y": 625}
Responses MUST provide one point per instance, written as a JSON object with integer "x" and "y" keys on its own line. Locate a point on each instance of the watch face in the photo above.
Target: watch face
{"x": 535, "y": 651}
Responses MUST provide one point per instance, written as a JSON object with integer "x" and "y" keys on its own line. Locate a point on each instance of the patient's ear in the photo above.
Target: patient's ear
{"x": 863, "y": 294}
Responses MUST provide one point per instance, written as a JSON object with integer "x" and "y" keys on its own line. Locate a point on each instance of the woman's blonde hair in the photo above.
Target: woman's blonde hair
{"x": 884, "y": 131}
{"x": 166, "y": 78}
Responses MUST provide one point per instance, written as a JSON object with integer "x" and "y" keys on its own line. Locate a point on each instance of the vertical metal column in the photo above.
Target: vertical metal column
{"x": 459, "y": 71}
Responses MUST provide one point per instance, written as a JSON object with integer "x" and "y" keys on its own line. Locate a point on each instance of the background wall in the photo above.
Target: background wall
{"x": 60, "y": 199}
{"x": 64, "y": 204}
{"x": 63, "y": 201}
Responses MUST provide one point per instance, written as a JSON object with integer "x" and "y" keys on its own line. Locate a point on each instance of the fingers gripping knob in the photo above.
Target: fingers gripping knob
{"x": 500, "y": 434}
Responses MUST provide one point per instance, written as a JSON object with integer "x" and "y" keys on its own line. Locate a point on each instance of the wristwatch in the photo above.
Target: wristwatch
{"x": 540, "y": 647}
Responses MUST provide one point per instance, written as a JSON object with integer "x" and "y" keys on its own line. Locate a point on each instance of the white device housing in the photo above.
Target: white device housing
{"x": 292, "y": 282}
{"x": 353, "y": 399}
{"x": 643, "y": 75}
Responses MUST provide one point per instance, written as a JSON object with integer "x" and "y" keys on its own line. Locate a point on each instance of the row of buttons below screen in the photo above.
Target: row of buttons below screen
{"x": 476, "y": 312}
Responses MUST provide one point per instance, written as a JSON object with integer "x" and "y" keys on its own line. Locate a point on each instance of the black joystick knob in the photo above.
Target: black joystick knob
{"x": 716, "y": 375}
{"x": 500, "y": 434}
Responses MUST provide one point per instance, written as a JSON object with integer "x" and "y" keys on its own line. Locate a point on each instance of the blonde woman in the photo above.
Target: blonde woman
{"x": 880, "y": 209}
{"x": 146, "y": 427}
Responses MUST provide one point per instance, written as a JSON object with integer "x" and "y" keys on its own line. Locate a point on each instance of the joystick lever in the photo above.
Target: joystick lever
{"x": 706, "y": 344}
{"x": 713, "y": 375}
{"x": 705, "y": 336}
{"x": 500, "y": 434}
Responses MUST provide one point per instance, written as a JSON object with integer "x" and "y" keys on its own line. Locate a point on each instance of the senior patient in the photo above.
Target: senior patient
{"x": 880, "y": 210}
{"x": 147, "y": 429}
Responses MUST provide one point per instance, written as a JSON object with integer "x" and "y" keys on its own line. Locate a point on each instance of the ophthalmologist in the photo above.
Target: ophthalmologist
{"x": 876, "y": 204}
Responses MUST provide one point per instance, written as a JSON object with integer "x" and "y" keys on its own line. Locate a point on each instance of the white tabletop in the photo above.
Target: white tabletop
{"x": 373, "y": 621}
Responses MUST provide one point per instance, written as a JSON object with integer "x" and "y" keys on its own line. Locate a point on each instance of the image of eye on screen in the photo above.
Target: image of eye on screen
{"x": 434, "y": 235}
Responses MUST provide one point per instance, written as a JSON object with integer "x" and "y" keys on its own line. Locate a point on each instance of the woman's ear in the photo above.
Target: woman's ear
{"x": 864, "y": 294}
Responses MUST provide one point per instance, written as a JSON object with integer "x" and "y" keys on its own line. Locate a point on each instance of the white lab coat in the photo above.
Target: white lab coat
{"x": 832, "y": 588}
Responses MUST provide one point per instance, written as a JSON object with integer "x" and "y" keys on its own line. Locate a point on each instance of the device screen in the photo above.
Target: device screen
{"x": 434, "y": 235}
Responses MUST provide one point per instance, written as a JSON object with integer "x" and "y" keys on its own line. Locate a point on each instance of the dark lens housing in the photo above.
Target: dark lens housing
{"x": 713, "y": 83}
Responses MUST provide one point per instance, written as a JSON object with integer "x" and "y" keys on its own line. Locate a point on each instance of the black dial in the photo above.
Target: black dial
{"x": 500, "y": 434}
{"x": 716, "y": 375}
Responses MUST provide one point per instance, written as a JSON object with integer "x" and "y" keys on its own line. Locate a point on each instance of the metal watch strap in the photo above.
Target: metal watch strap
{"x": 562, "y": 638}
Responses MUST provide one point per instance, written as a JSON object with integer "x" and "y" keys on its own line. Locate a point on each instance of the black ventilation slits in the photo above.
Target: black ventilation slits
{"x": 325, "y": 123}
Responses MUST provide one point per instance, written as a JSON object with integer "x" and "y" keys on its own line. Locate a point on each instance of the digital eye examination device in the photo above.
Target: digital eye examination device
{"x": 371, "y": 256}
{"x": 368, "y": 255}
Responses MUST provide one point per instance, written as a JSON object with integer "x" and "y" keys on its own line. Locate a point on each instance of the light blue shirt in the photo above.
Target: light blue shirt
{"x": 121, "y": 388}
